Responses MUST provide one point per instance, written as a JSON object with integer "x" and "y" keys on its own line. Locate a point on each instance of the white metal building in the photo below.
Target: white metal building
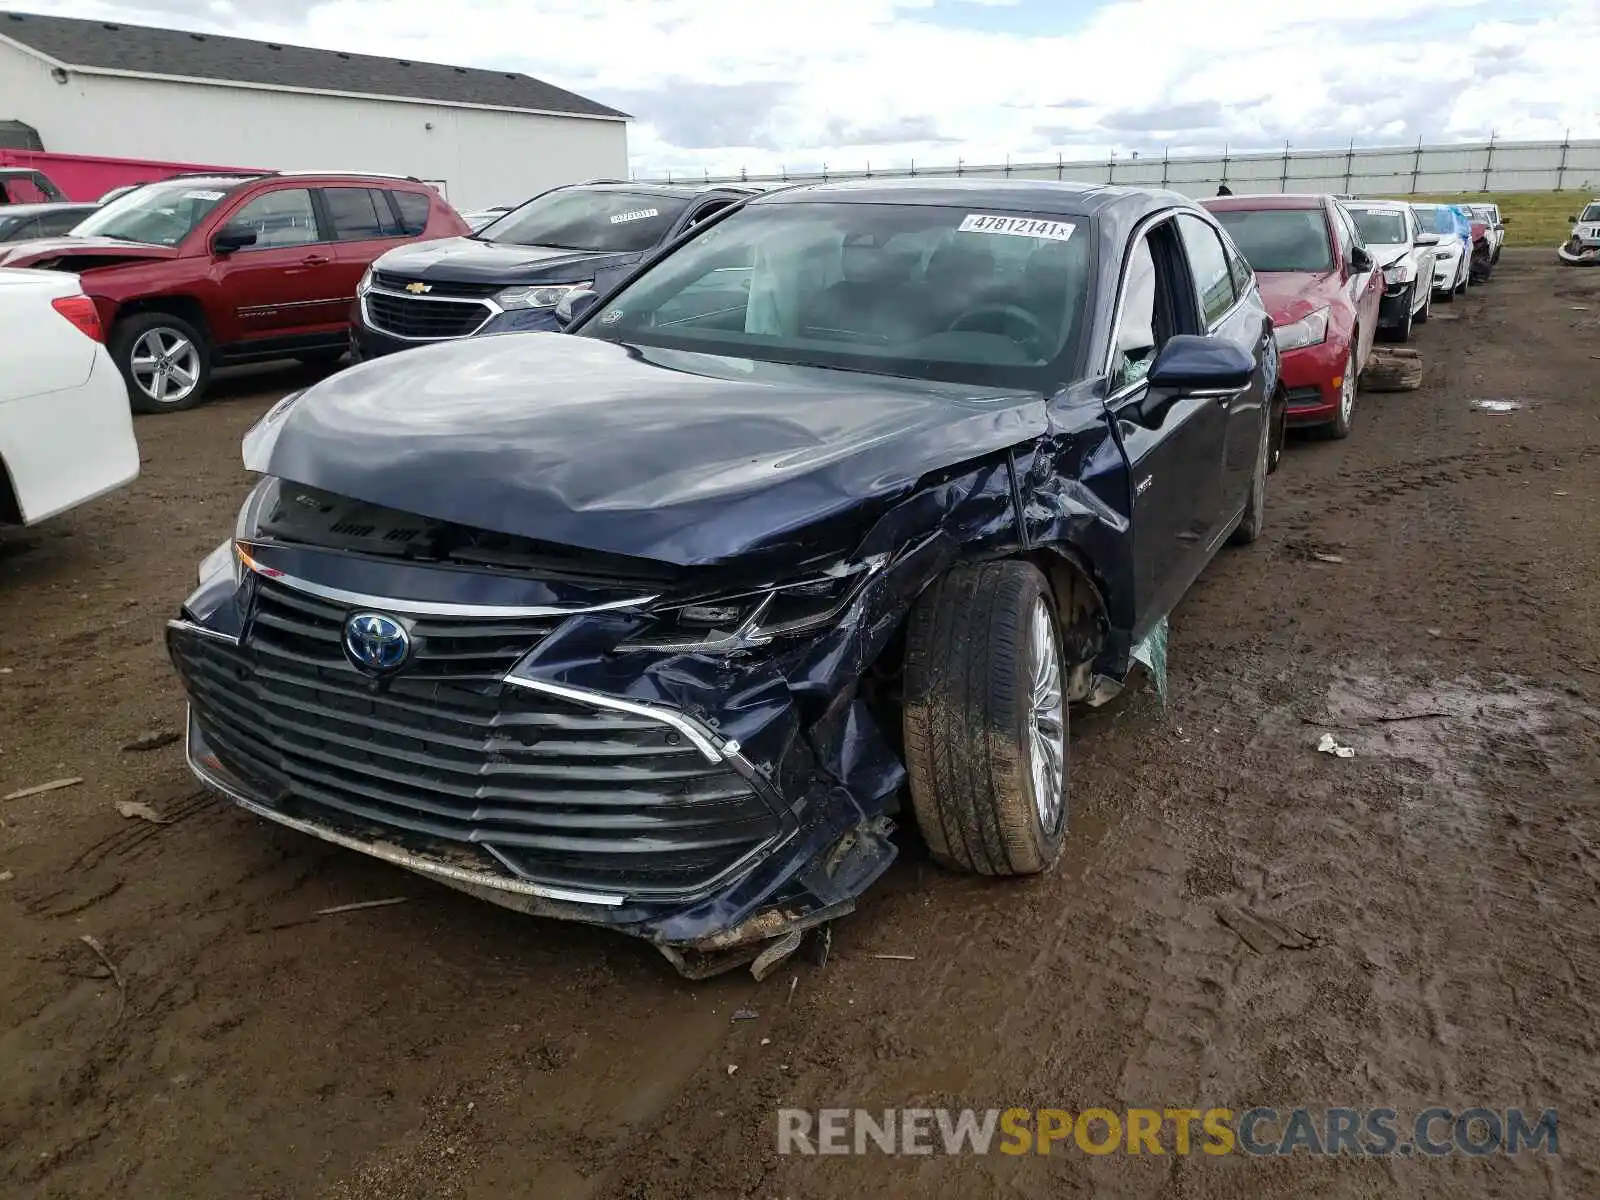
{"x": 484, "y": 137}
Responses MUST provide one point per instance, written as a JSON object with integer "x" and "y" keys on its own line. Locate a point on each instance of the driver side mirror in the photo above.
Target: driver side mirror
{"x": 574, "y": 305}
{"x": 1426, "y": 239}
{"x": 1192, "y": 365}
{"x": 233, "y": 237}
{"x": 1360, "y": 260}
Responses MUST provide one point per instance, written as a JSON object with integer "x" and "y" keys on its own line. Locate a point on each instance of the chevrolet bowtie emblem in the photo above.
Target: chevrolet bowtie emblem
{"x": 418, "y": 287}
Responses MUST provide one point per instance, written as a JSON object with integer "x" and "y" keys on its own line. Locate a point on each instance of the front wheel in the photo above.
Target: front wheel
{"x": 1402, "y": 332}
{"x": 1339, "y": 427}
{"x": 164, "y": 360}
{"x": 986, "y": 720}
{"x": 1427, "y": 307}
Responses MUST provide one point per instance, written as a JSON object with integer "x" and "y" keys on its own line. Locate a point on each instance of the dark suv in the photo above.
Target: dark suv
{"x": 511, "y": 274}
{"x": 202, "y": 270}
{"x": 818, "y": 523}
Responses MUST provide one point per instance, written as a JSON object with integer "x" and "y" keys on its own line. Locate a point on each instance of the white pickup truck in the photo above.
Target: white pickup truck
{"x": 66, "y": 435}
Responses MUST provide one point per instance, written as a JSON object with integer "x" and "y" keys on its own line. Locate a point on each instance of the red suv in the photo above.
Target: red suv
{"x": 209, "y": 270}
{"x": 1323, "y": 290}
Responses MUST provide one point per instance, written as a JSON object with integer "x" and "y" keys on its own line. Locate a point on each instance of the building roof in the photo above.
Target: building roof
{"x": 114, "y": 46}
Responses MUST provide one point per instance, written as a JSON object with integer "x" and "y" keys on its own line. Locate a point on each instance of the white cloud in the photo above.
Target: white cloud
{"x": 721, "y": 84}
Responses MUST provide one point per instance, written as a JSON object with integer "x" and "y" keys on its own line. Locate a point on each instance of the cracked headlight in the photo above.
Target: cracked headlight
{"x": 1400, "y": 272}
{"x": 722, "y": 624}
{"x": 546, "y": 295}
{"x": 1307, "y": 331}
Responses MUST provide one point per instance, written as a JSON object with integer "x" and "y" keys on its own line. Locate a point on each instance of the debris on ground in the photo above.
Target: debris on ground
{"x": 89, "y": 940}
{"x": 360, "y": 905}
{"x": 1330, "y": 745}
{"x": 7, "y": 876}
{"x": 154, "y": 740}
{"x": 132, "y": 808}
{"x": 1393, "y": 369}
{"x": 40, "y": 789}
{"x": 1328, "y": 558}
{"x": 1261, "y": 933}
{"x": 896, "y": 957}
{"x": 1497, "y": 406}
{"x": 746, "y": 1014}
{"x": 733, "y": 1068}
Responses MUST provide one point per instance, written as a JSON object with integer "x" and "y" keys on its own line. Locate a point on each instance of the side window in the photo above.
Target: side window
{"x": 1137, "y": 340}
{"x": 413, "y": 209}
{"x": 280, "y": 218}
{"x": 356, "y": 213}
{"x": 1243, "y": 274}
{"x": 708, "y": 210}
{"x": 1213, "y": 279}
{"x": 24, "y": 230}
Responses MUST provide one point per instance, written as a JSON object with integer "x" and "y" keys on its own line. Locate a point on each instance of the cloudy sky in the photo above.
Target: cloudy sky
{"x": 724, "y": 84}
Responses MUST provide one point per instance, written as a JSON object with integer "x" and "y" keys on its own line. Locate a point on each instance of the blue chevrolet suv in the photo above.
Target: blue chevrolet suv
{"x": 511, "y": 274}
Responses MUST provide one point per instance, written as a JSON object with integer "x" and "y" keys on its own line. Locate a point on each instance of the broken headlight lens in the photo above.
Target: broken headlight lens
{"x": 738, "y": 622}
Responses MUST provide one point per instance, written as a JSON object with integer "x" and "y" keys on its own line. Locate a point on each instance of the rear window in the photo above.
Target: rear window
{"x": 589, "y": 219}
{"x": 359, "y": 214}
{"x": 1280, "y": 239}
{"x": 413, "y": 212}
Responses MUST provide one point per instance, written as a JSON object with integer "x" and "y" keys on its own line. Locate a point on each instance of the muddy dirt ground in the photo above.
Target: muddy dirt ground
{"x": 1436, "y": 898}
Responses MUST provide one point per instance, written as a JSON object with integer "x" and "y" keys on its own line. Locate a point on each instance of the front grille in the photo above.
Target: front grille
{"x": 407, "y": 317}
{"x": 471, "y": 291}
{"x": 442, "y": 754}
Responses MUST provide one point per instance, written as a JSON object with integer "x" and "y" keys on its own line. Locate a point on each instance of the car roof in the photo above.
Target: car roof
{"x": 1266, "y": 200}
{"x": 53, "y": 206}
{"x": 1042, "y": 196}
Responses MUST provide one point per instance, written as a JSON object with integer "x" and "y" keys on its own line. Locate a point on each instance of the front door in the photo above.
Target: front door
{"x": 1174, "y": 454}
{"x": 286, "y": 280}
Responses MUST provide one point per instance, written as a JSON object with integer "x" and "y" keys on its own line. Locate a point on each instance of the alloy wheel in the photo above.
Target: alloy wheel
{"x": 1047, "y": 726}
{"x": 165, "y": 365}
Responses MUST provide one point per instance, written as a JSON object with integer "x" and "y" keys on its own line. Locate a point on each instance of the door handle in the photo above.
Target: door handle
{"x": 315, "y": 260}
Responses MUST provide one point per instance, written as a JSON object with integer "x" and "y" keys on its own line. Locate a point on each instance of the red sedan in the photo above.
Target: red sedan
{"x": 1323, "y": 291}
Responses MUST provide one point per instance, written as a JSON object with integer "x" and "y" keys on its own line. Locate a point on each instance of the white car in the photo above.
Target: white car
{"x": 1405, "y": 253}
{"x": 1489, "y": 214}
{"x": 66, "y": 434}
{"x": 1452, "y": 257}
{"x": 1583, "y": 246}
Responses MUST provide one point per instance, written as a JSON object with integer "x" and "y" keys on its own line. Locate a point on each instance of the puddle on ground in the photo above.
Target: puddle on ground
{"x": 1497, "y": 406}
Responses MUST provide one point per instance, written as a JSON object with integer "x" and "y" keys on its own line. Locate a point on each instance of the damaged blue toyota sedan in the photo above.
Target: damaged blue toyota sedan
{"x": 822, "y": 521}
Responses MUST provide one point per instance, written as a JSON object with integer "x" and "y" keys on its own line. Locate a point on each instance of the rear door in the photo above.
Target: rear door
{"x": 364, "y": 222}
{"x": 284, "y": 283}
{"x": 1174, "y": 455}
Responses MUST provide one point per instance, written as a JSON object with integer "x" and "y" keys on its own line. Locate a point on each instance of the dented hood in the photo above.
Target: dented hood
{"x": 682, "y": 458}
{"x": 472, "y": 260}
{"x": 101, "y": 248}
{"x": 1291, "y": 295}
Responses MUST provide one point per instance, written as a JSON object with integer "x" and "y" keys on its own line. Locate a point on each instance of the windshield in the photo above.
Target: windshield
{"x": 1380, "y": 226}
{"x": 1592, "y": 213}
{"x": 588, "y": 219}
{"x": 918, "y": 291}
{"x": 158, "y": 214}
{"x": 1280, "y": 239}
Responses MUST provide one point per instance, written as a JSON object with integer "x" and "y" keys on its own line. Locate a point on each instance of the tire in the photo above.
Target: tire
{"x": 1402, "y": 332}
{"x": 1421, "y": 318}
{"x": 1255, "y": 505}
{"x": 976, "y": 649}
{"x": 1339, "y": 427}
{"x": 1448, "y": 297}
{"x": 134, "y": 347}
{"x": 1465, "y": 281}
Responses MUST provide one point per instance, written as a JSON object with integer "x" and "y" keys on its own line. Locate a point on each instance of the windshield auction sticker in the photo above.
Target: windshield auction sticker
{"x": 638, "y": 214}
{"x": 1055, "y": 231}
